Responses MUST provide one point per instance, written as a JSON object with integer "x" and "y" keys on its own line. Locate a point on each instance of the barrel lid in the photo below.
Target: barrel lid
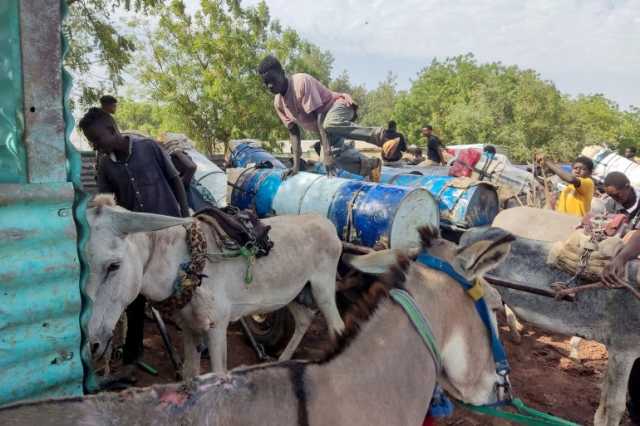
{"x": 418, "y": 208}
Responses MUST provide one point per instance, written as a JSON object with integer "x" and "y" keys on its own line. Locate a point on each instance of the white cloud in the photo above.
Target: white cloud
{"x": 584, "y": 46}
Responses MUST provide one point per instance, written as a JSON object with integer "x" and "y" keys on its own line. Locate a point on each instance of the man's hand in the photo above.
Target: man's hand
{"x": 613, "y": 272}
{"x": 346, "y": 99}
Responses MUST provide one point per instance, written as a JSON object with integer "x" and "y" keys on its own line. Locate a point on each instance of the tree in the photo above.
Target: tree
{"x": 469, "y": 103}
{"x": 150, "y": 118}
{"x": 204, "y": 68}
{"x": 342, "y": 84}
{"x": 380, "y": 103}
{"x": 95, "y": 42}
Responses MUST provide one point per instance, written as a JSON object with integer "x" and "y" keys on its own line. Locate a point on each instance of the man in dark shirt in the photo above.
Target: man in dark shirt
{"x": 434, "y": 146}
{"x": 394, "y": 143}
{"x": 109, "y": 104}
{"x": 143, "y": 179}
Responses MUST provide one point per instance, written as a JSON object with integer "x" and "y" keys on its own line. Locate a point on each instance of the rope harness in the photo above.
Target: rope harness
{"x": 440, "y": 405}
{"x": 189, "y": 274}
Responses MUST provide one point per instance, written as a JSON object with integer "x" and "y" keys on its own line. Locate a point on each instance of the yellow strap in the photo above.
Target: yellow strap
{"x": 476, "y": 292}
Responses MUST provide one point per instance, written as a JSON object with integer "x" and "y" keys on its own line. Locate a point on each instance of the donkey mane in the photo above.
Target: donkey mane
{"x": 363, "y": 301}
{"x": 103, "y": 200}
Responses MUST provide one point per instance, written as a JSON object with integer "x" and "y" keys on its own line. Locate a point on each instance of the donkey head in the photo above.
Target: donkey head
{"x": 116, "y": 268}
{"x": 468, "y": 368}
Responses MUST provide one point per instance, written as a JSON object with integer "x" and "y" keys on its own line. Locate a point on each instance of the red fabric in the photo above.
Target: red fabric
{"x": 429, "y": 421}
{"x": 465, "y": 161}
{"x": 615, "y": 222}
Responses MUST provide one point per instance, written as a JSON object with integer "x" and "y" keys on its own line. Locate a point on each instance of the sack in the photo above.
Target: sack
{"x": 571, "y": 255}
{"x": 390, "y": 150}
{"x": 242, "y": 227}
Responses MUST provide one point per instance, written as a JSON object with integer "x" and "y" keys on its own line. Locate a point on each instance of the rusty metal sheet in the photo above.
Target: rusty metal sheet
{"x": 41, "y": 45}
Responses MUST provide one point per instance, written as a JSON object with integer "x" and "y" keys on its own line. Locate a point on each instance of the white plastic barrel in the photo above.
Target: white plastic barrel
{"x": 369, "y": 214}
{"x": 606, "y": 161}
{"x": 207, "y": 174}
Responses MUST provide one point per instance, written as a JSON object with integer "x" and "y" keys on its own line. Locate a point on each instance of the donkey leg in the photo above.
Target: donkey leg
{"x": 217, "y": 343}
{"x": 514, "y": 325}
{"x": 614, "y": 389}
{"x": 303, "y": 317}
{"x": 191, "y": 365}
{"x": 324, "y": 293}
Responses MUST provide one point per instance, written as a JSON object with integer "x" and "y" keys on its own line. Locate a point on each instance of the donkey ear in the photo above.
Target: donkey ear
{"x": 374, "y": 263}
{"x": 126, "y": 222}
{"x": 477, "y": 258}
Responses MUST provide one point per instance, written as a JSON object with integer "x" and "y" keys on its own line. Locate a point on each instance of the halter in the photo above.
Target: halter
{"x": 440, "y": 404}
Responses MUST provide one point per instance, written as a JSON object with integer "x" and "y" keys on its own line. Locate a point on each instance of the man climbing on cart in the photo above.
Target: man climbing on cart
{"x": 302, "y": 101}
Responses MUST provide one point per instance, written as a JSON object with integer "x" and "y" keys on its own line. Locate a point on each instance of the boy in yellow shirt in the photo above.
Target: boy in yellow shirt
{"x": 576, "y": 198}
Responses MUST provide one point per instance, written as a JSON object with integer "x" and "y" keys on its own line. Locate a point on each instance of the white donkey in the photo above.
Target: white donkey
{"x": 139, "y": 253}
{"x": 381, "y": 375}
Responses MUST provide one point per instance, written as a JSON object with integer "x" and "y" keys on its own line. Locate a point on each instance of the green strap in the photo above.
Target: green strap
{"x": 250, "y": 257}
{"x": 248, "y": 253}
{"x": 419, "y": 321}
{"x": 525, "y": 415}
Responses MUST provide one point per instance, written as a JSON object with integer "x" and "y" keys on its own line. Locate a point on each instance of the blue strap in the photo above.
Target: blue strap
{"x": 440, "y": 405}
{"x": 499, "y": 355}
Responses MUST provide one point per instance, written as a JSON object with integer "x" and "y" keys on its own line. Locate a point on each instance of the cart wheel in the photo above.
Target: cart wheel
{"x": 272, "y": 330}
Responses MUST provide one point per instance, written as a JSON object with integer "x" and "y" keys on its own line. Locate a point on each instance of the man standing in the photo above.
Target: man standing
{"x": 576, "y": 198}
{"x": 302, "y": 101}
{"x": 434, "y": 146}
{"x": 395, "y": 143}
{"x": 143, "y": 179}
{"x": 109, "y": 104}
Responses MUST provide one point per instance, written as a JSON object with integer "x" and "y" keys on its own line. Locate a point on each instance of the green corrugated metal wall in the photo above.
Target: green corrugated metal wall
{"x": 41, "y": 273}
{"x": 12, "y": 154}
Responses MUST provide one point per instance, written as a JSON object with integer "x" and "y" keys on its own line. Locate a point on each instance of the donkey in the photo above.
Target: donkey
{"x": 611, "y": 317}
{"x": 140, "y": 253}
{"x": 379, "y": 372}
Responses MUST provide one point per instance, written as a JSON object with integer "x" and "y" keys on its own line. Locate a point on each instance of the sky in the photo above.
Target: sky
{"x": 583, "y": 46}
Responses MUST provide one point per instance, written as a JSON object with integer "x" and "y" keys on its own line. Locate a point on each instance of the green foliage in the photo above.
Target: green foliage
{"x": 150, "y": 118}
{"x": 468, "y": 103}
{"x": 379, "y": 103}
{"x": 203, "y": 68}
{"x": 96, "y": 42}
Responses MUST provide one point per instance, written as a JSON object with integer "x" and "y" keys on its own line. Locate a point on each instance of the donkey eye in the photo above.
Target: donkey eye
{"x": 113, "y": 267}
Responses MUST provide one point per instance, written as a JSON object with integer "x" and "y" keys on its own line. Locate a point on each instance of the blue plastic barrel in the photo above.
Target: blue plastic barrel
{"x": 255, "y": 189}
{"x": 369, "y": 214}
{"x": 420, "y": 170}
{"x": 378, "y": 215}
{"x": 474, "y": 205}
{"x": 244, "y": 154}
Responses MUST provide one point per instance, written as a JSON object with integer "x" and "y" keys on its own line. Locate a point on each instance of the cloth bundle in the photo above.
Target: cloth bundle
{"x": 580, "y": 254}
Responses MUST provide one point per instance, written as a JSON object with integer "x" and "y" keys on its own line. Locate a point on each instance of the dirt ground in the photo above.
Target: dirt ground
{"x": 542, "y": 375}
